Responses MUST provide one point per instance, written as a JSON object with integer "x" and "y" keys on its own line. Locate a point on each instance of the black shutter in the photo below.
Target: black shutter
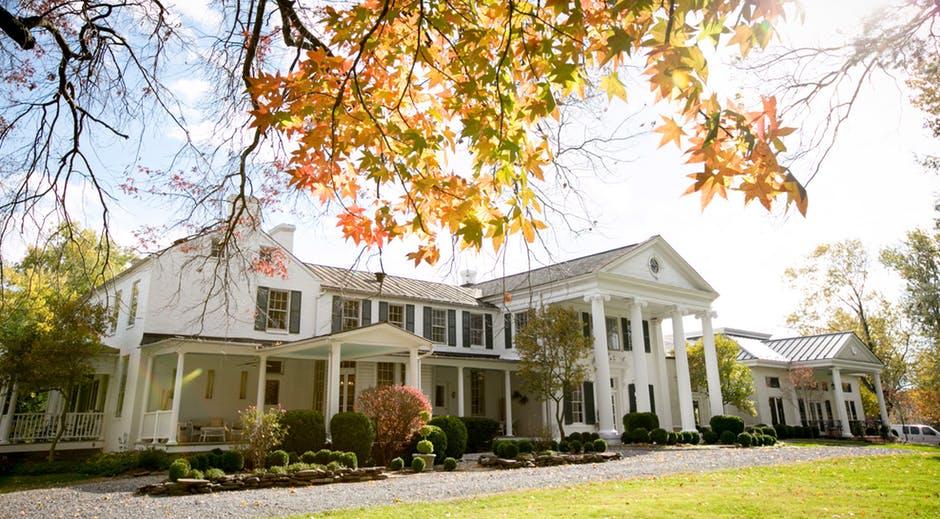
{"x": 383, "y": 312}
{"x": 452, "y": 327}
{"x": 773, "y": 411}
{"x": 567, "y": 406}
{"x": 587, "y": 391}
{"x": 465, "y": 316}
{"x": 410, "y": 318}
{"x": 780, "y": 414}
{"x": 366, "y": 312}
{"x": 488, "y": 331}
{"x": 646, "y": 336}
{"x": 631, "y": 390}
{"x": 507, "y": 331}
{"x": 586, "y": 323}
{"x": 294, "y": 311}
{"x": 261, "y": 309}
{"x": 627, "y": 336}
{"x": 427, "y": 322}
{"x": 337, "y": 314}
{"x": 652, "y": 399}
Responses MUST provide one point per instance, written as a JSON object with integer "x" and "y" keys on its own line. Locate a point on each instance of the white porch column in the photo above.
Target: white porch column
{"x": 177, "y": 396}
{"x": 840, "y": 402}
{"x": 6, "y": 422}
{"x": 508, "y": 396}
{"x": 145, "y": 401}
{"x": 684, "y": 385}
{"x": 414, "y": 369}
{"x": 882, "y": 408}
{"x": 262, "y": 376}
{"x": 460, "y": 408}
{"x": 335, "y": 359}
{"x": 664, "y": 409}
{"x": 605, "y": 414}
{"x": 715, "y": 401}
{"x": 641, "y": 376}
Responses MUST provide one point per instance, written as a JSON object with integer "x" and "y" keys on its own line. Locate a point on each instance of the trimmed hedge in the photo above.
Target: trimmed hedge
{"x": 744, "y": 439}
{"x": 480, "y": 432}
{"x": 639, "y": 435}
{"x": 456, "y": 432}
{"x": 710, "y": 437}
{"x": 672, "y": 438}
{"x": 179, "y": 469}
{"x": 648, "y": 421}
{"x": 721, "y": 423}
{"x": 353, "y": 432}
{"x": 659, "y": 436}
{"x": 306, "y": 430}
{"x": 727, "y": 438}
{"x": 278, "y": 458}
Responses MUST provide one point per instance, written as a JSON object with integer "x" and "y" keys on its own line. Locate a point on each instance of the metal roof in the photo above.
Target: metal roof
{"x": 364, "y": 282}
{"x": 810, "y": 347}
{"x": 556, "y": 272}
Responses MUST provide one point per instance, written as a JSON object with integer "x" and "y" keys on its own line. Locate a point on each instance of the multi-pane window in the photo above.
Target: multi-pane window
{"x": 385, "y": 374}
{"x": 438, "y": 325}
{"x": 278, "y": 303}
{"x": 773, "y": 382}
{"x": 522, "y": 319}
{"x": 613, "y": 333}
{"x": 216, "y": 250}
{"x": 115, "y": 312}
{"x": 272, "y": 392}
{"x": 847, "y": 387}
{"x": 828, "y": 410}
{"x": 777, "y": 415}
{"x": 351, "y": 308}
{"x": 243, "y": 385}
{"x": 122, "y": 385}
{"x": 802, "y": 406}
{"x": 577, "y": 405}
{"x": 850, "y": 410}
{"x": 477, "y": 393}
{"x": 396, "y": 315}
{"x": 274, "y": 367}
{"x": 319, "y": 385}
{"x": 440, "y": 395}
{"x": 476, "y": 329}
{"x": 132, "y": 309}
{"x": 627, "y": 335}
{"x": 210, "y": 383}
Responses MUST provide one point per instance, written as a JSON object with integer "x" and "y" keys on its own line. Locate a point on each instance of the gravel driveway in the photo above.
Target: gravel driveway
{"x": 115, "y": 498}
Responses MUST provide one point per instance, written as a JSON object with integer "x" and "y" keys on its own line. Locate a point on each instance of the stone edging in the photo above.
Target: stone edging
{"x": 301, "y": 478}
{"x": 547, "y": 460}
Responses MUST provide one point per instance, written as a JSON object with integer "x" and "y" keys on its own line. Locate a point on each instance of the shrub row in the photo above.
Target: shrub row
{"x": 104, "y": 464}
{"x": 661, "y": 436}
{"x": 576, "y": 447}
{"x": 480, "y": 432}
{"x": 747, "y": 439}
{"x": 326, "y": 456}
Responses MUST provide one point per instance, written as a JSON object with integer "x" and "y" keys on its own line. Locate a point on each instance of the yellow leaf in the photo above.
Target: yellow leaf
{"x": 614, "y": 87}
{"x": 671, "y": 132}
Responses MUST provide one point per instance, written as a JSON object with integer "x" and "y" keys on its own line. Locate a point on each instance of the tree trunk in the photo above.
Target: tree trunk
{"x": 560, "y": 418}
{"x": 60, "y": 429}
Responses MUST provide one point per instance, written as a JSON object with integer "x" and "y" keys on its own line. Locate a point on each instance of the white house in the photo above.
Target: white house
{"x": 186, "y": 356}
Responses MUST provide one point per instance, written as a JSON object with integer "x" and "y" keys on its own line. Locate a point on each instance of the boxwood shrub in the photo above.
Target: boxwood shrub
{"x": 648, "y": 421}
{"x": 727, "y": 438}
{"x": 721, "y": 423}
{"x": 480, "y": 432}
{"x": 417, "y": 464}
{"x": 640, "y": 435}
{"x": 396, "y": 464}
{"x": 744, "y": 439}
{"x": 694, "y": 438}
{"x": 179, "y": 469}
{"x": 306, "y": 430}
{"x": 659, "y": 436}
{"x": 710, "y": 437}
{"x": 353, "y": 432}
{"x": 450, "y": 464}
{"x": 672, "y": 438}
{"x": 456, "y": 432}
{"x": 575, "y": 447}
{"x": 278, "y": 458}
{"x": 588, "y": 447}
{"x": 600, "y": 445}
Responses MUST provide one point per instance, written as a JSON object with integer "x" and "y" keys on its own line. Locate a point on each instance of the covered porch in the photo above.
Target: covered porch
{"x": 217, "y": 380}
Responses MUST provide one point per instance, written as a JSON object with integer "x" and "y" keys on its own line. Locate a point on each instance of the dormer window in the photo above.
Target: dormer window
{"x": 216, "y": 250}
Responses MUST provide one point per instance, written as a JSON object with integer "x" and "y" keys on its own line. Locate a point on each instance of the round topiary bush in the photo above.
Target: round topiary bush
{"x": 625, "y": 438}
{"x": 332, "y": 466}
{"x": 574, "y": 446}
{"x": 682, "y": 437}
{"x": 648, "y": 421}
{"x": 525, "y": 447}
{"x": 450, "y": 464}
{"x": 563, "y": 446}
{"x": 417, "y": 464}
{"x": 306, "y": 430}
{"x": 322, "y": 457}
{"x": 196, "y": 474}
{"x": 438, "y": 440}
{"x": 278, "y": 458}
{"x": 215, "y": 474}
{"x": 455, "y": 431}
{"x": 349, "y": 459}
{"x": 588, "y": 447}
{"x": 425, "y": 447}
{"x": 659, "y": 436}
{"x": 509, "y": 450}
{"x": 396, "y": 464}
{"x": 744, "y": 439}
{"x": 600, "y": 445}
{"x": 353, "y": 432}
{"x": 672, "y": 438}
{"x": 179, "y": 469}
{"x": 640, "y": 435}
{"x": 199, "y": 461}
{"x": 575, "y": 436}
{"x": 308, "y": 457}
{"x": 727, "y": 438}
{"x": 694, "y": 438}
{"x": 232, "y": 461}
{"x": 710, "y": 437}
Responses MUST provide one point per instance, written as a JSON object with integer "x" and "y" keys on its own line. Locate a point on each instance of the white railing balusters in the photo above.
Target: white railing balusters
{"x": 42, "y": 427}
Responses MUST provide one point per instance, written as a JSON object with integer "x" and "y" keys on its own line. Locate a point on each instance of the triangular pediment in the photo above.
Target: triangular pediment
{"x": 656, "y": 261}
{"x": 854, "y": 349}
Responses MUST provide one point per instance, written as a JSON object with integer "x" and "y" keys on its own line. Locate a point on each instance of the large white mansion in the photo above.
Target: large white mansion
{"x": 181, "y": 364}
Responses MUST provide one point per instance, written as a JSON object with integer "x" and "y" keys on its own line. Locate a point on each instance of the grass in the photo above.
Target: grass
{"x": 905, "y": 485}
{"x": 10, "y": 483}
{"x": 822, "y": 442}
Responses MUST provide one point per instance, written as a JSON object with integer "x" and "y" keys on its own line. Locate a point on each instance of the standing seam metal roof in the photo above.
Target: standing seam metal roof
{"x": 365, "y": 282}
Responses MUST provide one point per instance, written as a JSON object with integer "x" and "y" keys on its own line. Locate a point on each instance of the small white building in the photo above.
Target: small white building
{"x": 185, "y": 356}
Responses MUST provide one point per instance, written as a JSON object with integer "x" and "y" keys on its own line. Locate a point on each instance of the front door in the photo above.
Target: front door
{"x": 614, "y": 394}
{"x": 347, "y": 386}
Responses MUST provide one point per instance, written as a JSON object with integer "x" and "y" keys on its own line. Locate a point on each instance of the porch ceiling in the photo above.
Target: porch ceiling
{"x": 367, "y": 341}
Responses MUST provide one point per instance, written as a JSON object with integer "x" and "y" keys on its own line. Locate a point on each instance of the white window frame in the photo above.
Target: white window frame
{"x": 477, "y": 393}
{"x": 351, "y": 314}
{"x": 477, "y": 329}
{"x": 132, "y": 308}
{"x": 767, "y": 380}
{"x": 271, "y": 319}
{"x": 396, "y": 320}
{"x": 439, "y": 325}
{"x": 386, "y": 371}
{"x": 122, "y": 386}
{"x": 520, "y": 319}
{"x": 215, "y": 248}
{"x": 613, "y": 333}
{"x": 577, "y": 404}
{"x": 115, "y": 312}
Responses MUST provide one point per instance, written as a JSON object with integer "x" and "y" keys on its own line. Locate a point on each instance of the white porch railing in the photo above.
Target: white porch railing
{"x": 41, "y": 427}
{"x": 155, "y": 426}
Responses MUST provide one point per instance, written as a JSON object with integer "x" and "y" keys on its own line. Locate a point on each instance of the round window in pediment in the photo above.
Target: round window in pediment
{"x": 654, "y": 265}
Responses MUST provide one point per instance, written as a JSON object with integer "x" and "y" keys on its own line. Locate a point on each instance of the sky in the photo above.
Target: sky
{"x": 870, "y": 188}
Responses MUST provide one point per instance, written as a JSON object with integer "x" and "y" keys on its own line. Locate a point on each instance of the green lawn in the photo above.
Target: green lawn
{"x": 822, "y": 442}
{"x": 905, "y": 486}
{"x": 14, "y": 483}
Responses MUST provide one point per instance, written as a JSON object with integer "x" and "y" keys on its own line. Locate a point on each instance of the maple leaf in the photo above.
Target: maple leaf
{"x": 613, "y": 86}
{"x": 671, "y": 131}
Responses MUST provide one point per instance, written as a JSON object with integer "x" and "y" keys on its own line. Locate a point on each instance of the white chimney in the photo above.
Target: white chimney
{"x": 284, "y": 234}
{"x": 468, "y": 277}
{"x": 251, "y": 213}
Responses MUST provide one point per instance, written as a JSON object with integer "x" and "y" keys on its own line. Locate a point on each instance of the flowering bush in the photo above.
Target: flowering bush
{"x": 262, "y": 431}
{"x": 397, "y": 412}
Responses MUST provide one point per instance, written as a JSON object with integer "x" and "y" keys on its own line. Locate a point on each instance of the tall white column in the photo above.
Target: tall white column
{"x": 664, "y": 407}
{"x": 715, "y": 401}
{"x": 177, "y": 396}
{"x": 882, "y": 408}
{"x": 605, "y": 414}
{"x": 335, "y": 361}
{"x": 460, "y": 397}
{"x": 840, "y": 402}
{"x": 7, "y": 421}
{"x": 145, "y": 401}
{"x": 262, "y": 376}
{"x": 641, "y": 376}
{"x": 683, "y": 383}
{"x": 507, "y": 388}
{"x": 414, "y": 369}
